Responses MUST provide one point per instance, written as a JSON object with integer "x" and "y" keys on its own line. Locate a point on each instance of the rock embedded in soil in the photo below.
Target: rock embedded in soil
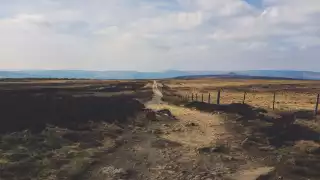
{"x": 262, "y": 173}
{"x": 267, "y": 148}
{"x": 191, "y": 124}
{"x": 165, "y": 125}
{"x": 166, "y": 112}
{"x": 213, "y": 149}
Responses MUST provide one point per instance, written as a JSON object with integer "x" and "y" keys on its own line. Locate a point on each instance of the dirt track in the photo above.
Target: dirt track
{"x": 196, "y": 146}
{"x": 198, "y": 132}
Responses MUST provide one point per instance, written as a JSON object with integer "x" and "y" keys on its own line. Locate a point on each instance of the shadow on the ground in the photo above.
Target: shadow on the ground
{"x": 246, "y": 111}
{"x": 305, "y": 114}
{"x": 279, "y": 137}
{"x": 278, "y": 129}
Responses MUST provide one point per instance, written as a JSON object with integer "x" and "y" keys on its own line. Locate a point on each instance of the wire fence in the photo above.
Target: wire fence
{"x": 269, "y": 100}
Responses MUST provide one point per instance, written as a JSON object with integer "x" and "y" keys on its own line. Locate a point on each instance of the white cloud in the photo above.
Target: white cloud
{"x": 218, "y": 7}
{"x": 170, "y": 22}
{"x": 107, "y": 31}
{"x": 156, "y": 35}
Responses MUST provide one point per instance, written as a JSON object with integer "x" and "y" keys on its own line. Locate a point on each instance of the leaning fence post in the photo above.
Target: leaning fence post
{"x": 209, "y": 98}
{"x": 274, "y": 100}
{"x": 244, "y": 97}
{"x": 317, "y": 105}
{"x": 202, "y": 98}
{"x": 218, "y": 97}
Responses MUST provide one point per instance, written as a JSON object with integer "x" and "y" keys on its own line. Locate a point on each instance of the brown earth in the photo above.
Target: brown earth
{"x": 99, "y": 133}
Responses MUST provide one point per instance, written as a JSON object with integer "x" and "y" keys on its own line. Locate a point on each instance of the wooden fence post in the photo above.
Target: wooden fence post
{"x": 196, "y": 96}
{"x": 244, "y": 97}
{"x": 202, "y": 98}
{"x": 209, "y": 98}
{"x": 218, "y": 97}
{"x": 192, "y": 97}
{"x": 317, "y": 105}
{"x": 274, "y": 100}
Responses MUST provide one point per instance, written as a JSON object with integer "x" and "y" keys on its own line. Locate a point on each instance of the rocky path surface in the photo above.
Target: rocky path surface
{"x": 192, "y": 146}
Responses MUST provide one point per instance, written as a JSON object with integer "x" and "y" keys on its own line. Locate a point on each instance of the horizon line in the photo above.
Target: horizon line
{"x": 21, "y": 70}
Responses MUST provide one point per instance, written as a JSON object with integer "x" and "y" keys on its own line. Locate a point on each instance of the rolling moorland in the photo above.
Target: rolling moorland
{"x": 140, "y": 129}
{"x": 158, "y": 75}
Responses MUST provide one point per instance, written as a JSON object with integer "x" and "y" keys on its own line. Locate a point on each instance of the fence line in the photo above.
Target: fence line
{"x": 218, "y": 97}
{"x": 244, "y": 97}
{"x": 218, "y": 100}
{"x": 274, "y": 100}
{"x": 317, "y": 104}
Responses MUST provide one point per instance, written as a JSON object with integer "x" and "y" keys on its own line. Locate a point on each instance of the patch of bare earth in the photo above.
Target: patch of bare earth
{"x": 188, "y": 144}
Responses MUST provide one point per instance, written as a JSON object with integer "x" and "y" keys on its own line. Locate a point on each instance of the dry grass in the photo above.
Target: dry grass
{"x": 290, "y": 94}
{"x": 215, "y": 82}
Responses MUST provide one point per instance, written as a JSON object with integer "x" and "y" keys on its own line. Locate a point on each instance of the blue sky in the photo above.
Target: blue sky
{"x": 155, "y": 35}
{"x": 256, "y": 3}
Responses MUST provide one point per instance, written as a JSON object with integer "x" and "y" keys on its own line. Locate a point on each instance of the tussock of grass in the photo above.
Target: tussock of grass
{"x": 49, "y": 155}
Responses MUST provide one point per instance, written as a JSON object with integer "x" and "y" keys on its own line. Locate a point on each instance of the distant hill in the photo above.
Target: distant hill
{"x": 262, "y": 74}
{"x": 283, "y": 73}
{"x": 82, "y": 74}
{"x": 233, "y": 76}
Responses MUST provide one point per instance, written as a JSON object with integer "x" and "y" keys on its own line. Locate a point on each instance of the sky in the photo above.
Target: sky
{"x": 156, "y": 35}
